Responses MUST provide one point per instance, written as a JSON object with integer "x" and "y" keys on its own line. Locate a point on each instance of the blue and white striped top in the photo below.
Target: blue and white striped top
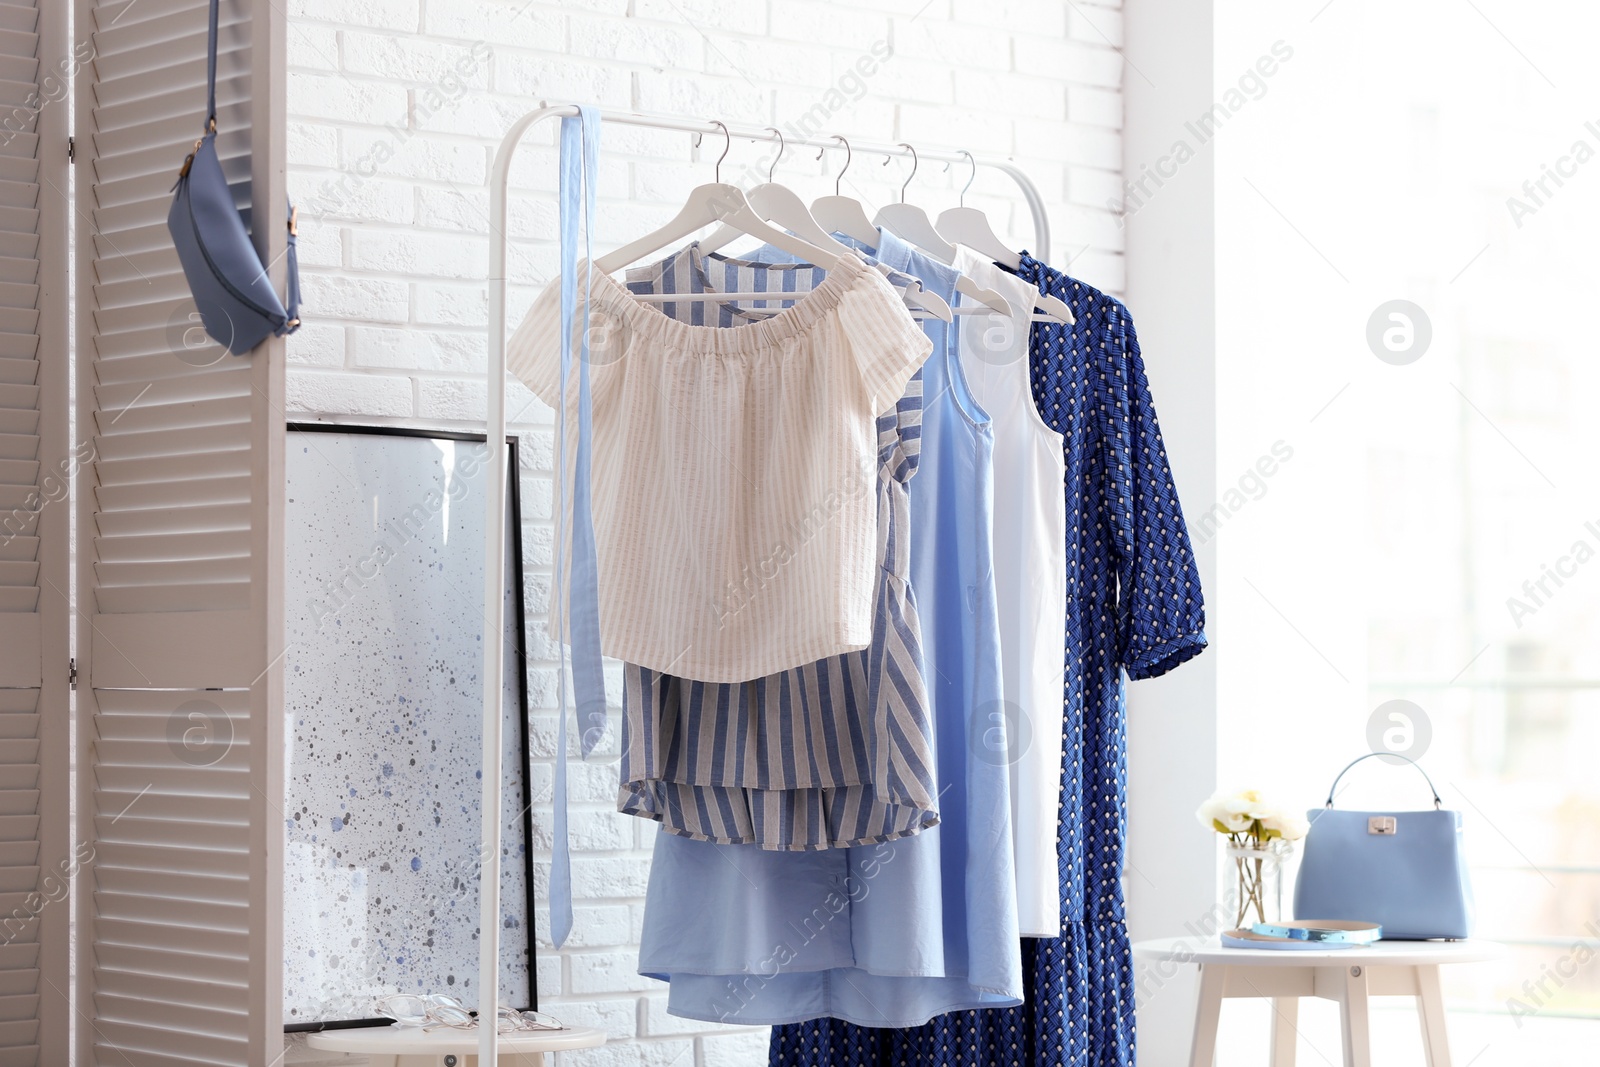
{"x": 832, "y": 754}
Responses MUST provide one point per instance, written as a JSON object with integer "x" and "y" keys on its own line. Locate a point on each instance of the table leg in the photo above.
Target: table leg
{"x": 1353, "y": 1018}
{"x": 1285, "y": 1028}
{"x": 1203, "y": 1049}
{"x": 1430, "y": 1009}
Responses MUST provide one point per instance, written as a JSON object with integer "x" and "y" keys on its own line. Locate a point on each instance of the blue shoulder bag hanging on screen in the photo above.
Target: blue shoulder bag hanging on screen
{"x": 232, "y": 292}
{"x": 1404, "y": 870}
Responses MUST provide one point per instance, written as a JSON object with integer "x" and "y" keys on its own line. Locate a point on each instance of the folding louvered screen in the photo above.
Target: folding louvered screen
{"x": 180, "y": 557}
{"x": 36, "y": 868}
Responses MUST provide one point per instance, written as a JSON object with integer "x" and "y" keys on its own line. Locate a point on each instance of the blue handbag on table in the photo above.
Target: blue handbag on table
{"x": 1404, "y": 870}
{"x": 232, "y": 292}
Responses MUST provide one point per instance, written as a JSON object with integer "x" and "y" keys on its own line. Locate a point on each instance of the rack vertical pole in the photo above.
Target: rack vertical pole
{"x": 494, "y": 624}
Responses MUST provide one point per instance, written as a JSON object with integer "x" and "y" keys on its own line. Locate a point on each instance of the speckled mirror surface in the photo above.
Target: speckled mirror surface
{"x": 383, "y": 696}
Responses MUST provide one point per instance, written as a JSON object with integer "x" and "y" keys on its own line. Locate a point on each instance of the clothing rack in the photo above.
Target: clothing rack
{"x": 494, "y": 529}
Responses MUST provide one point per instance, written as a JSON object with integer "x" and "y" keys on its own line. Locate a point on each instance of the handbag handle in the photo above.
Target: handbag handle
{"x": 1437, "y": 803}
{"x": 211, "y": 70}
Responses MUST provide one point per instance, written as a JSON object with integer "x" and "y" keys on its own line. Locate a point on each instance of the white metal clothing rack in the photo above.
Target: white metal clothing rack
{"x": 494, "y": 529}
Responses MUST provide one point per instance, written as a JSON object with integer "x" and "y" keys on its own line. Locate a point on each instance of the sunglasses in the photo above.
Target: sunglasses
{"x": 433, "y": 1010}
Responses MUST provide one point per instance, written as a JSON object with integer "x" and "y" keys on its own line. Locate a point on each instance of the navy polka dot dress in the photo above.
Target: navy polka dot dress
{"x": 1134, "y": 608}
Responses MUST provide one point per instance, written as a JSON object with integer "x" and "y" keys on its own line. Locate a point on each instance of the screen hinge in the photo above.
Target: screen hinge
{"x": 72, "y": 673}
{"x": 72, "y": 149}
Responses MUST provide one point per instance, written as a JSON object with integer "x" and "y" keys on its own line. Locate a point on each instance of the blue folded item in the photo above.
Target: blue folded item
{"x": 1323, "y": 931}
{"x": 1251, "y": 939}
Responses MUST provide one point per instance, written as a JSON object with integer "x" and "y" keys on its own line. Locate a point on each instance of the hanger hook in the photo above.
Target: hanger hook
{"x": 962, "y": 198}
{"x": 782, "y": 147}
{"x": 915, "y": 163}
{"x": 848, "y": 156}
{"x": 727, "y": 144}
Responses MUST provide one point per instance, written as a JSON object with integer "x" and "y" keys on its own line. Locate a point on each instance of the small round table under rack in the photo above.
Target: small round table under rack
{"x": 393, "y": 1046}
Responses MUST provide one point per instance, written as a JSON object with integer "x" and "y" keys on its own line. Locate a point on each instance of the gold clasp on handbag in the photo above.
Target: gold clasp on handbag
{"x": 1381, "y": 825}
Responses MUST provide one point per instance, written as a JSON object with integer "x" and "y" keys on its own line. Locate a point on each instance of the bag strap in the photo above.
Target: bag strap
{"x": 211, "y": 70}
{"x": 1437, "y": 803}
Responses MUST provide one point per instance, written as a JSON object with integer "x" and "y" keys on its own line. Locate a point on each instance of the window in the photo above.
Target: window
{"x": 1405, "y": 286}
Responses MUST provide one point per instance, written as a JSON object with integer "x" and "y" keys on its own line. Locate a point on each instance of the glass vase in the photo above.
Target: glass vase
{"x": 1258, "y": 883}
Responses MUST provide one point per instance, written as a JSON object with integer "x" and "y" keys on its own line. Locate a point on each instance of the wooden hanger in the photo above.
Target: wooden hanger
{"x": 911, "y": 223}
{"x": 782, "y": 206}
{"x": 843, "y": 214}
{"x": 970, "y": 226}
{"x": 717, "y": 202}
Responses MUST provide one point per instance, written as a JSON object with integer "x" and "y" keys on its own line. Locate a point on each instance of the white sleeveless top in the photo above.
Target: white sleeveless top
{"x": 734, "y": 471}
{"x": 1030, "y": 574}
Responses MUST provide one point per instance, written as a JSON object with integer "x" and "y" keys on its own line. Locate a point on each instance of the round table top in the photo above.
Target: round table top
{"x": 1392, "y": 953}
{"x": 413, "y": 1040}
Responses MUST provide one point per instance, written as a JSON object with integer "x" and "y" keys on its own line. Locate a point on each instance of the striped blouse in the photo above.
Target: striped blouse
{"x": 834, "y": 753}
{"x": 737, "y": 532}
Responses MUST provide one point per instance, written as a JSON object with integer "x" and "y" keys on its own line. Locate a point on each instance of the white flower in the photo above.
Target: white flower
{"x": 1240, "y": 811}
{"x": 1252, "y": 804}
{"x": 1287, "y": 824}
{"x": 1220, "y": 813}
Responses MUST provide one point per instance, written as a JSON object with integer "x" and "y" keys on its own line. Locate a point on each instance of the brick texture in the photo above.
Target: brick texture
{"x": 396, "y": 110}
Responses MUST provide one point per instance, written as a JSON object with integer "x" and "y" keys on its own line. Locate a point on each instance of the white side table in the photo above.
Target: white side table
{"x": 1347, "y": 976}
{"x": 393, "y": 1046}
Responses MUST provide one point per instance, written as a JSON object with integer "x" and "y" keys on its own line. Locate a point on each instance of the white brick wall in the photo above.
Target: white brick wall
{"x": 396, "y": 107}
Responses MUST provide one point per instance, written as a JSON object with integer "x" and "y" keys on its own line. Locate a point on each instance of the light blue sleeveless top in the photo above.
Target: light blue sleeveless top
{"x": 894, "y": 933}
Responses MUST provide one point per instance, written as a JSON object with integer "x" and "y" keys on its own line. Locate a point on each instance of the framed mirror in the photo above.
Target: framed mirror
{"x": 383, "y": 693}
